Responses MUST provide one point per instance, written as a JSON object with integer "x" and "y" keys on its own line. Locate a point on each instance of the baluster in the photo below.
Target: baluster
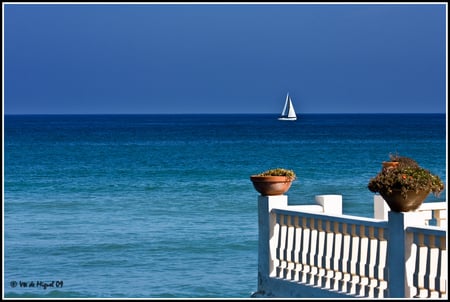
{"x": 337, "y": 255}
{"x": 420, "y": 266}
{"x": 320, "y": 256}
{"x": 434, "y": 262}
{"x": 289, "y": 248}
{"x": 329, "y": 274}
{"x": 298, "y": 244}
{"x": 373, "y": 253}
{"x": 281, "y": 247}
{"x": 380, "y": 284}
{"x": 354, "y": 255}
{"x": 305, "y": 250}
{"x": 345, "y": 256}
{"x": 273, "y": 247}
{"x": 277, "y": 233}
{"x": 362, "y": 269}
{"x": 312, "y": 252}
{"x": 441, "y": 278}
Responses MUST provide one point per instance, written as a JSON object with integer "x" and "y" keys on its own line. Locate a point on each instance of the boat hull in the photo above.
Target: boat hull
{"x": 287, "y": 118}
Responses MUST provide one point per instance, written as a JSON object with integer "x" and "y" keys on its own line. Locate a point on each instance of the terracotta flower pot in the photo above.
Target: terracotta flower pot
{"x": 271, "y": 185}
{"x": 390, "y": 164}
{"x": 398, "y": 203}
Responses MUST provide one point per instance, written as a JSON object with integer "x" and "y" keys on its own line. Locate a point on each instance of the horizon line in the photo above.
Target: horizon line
{"x": 212, "y": 113}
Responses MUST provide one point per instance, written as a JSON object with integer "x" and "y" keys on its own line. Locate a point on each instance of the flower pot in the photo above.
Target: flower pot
{"x": 398, "y": 203}
{"x": 390, "y": 164}
{"x": 271, "y": 185}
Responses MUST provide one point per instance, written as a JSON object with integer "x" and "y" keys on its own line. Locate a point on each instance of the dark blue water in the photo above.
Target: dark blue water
{"x": 161, "y": 206}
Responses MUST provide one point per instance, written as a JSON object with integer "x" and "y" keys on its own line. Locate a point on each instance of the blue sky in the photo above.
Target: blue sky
{"x": 224, "y": 58}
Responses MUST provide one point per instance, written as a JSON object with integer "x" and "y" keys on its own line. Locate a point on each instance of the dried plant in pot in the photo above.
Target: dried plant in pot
{"x": 405, "y": 185}
{"x": 273, "y": 182}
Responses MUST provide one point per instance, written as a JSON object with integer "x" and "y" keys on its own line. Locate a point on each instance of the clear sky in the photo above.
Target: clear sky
{"x": 224, "y": 58}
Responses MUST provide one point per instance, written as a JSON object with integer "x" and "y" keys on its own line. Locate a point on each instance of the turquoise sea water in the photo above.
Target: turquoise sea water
{"x": 161, "y": 206}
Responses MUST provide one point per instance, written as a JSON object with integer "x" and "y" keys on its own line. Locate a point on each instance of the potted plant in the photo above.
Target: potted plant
{"x": 405, "y": 185}
{"x": 274, "y": 181}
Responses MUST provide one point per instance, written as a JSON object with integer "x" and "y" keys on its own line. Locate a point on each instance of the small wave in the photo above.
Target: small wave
{"x": 49, "y": 294}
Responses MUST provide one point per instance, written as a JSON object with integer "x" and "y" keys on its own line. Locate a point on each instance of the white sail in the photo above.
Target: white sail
{"x": 288, "y": 113}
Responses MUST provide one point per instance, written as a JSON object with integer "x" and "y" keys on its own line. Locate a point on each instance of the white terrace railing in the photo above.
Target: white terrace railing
{"x": 313, "y": 251}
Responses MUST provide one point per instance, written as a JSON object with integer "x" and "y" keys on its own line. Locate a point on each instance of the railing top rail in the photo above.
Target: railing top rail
{"x": 428, "y": 230}
{"x": 348, "y": 219}
{"x": 438, "y": 205}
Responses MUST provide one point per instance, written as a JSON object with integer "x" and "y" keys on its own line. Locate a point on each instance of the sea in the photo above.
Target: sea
{"x": 162, "y": 206}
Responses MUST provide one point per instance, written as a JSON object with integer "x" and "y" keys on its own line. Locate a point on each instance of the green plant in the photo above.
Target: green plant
{"x": 290, "y": 174}
{"x": 407, "y": 176}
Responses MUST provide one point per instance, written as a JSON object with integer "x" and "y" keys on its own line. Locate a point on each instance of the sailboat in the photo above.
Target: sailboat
{"x": 288, "y": 113}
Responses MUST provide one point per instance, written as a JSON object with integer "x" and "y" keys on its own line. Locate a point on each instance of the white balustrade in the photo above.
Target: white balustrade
{"x": 314, "y": 251}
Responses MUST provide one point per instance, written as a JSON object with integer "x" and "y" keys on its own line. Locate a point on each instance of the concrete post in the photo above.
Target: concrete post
{"x": 399, "y": 252}
{"x": 332, "y": 204}
{"x": 265, "y": 229}
{"x": 380, "y": 208}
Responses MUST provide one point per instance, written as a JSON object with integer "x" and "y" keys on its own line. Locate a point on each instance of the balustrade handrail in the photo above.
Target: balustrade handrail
{"x": 341, "y": 218}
